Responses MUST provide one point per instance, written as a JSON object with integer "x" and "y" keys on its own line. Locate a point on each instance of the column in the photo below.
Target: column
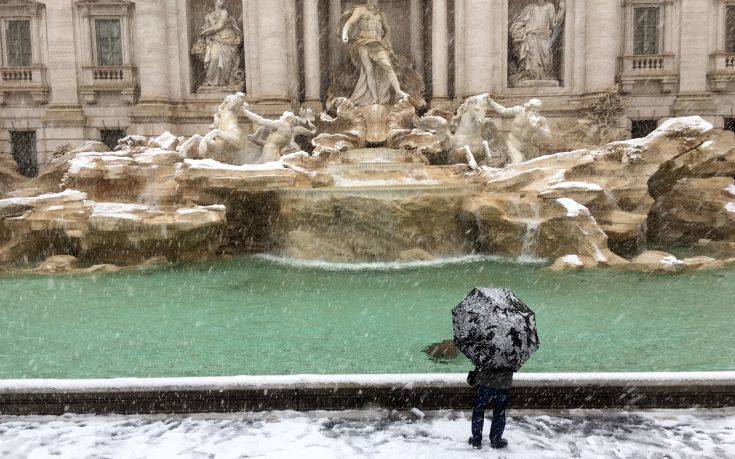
{"x": 63, "y": 121}
{"x": 480, "y": 62}
{"x": 62, "y": 61}
{"x": 151, "y": 51}
{"x": 252, "y": 56}
{"x": 604, "y": 22}
{"x": 312, "y": 64}
{"x": 459, "y": 50}
{"x": 417, "y": 34}
{"x": 694, "y": 59}
{"x": 273, "y": 54}
{"x": 439, "y": 52}
{"x": 335, "y": 43}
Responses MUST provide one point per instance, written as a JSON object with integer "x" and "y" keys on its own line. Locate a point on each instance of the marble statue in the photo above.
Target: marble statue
{"x": 341, "y": 128}
{"x": 529, "y": 129}
{"x": 228, "y": 142}
{"x": 535, "y": 32}
{"x": 372, "y": 52}
{"x": 275, "y": 138}
{"x": 219, "y": 47}
{"x": 226, "y": 139}
{"x": 468, "y": 136}
{"x": 374, "y": 74}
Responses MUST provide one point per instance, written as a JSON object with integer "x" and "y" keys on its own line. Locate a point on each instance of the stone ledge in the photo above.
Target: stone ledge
{"x": 342, "y": 392}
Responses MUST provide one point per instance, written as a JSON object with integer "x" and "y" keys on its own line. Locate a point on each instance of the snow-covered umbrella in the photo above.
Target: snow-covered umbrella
{"x": 495, "y": 329}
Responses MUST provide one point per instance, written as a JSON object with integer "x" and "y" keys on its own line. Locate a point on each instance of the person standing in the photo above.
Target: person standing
{"x": 491, "y": 387}
{"x": 496, "y": 331}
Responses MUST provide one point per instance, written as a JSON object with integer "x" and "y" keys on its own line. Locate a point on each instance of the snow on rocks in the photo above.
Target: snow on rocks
{"x": 165, "y": 141}
{"x": 657, "y": 262}
{"x": 730, "y": 207}
{"x": 568, "y": 263}
{"x": 104, "y": 231}
{"x": 49, "y": 199}
{"x": 574, "y": 209}
{"x": 211, "y": 164}
{"x": 685, "y": 124}
{"x": 730, "y": 190}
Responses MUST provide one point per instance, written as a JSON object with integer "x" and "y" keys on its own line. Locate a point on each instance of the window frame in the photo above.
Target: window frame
{"x": 96, "y": 45}
{"x": 89, "y": 11}
{"x": 657, "y": 34}
{"x": 667, "y": 32}
{"x": 30, "y": 11}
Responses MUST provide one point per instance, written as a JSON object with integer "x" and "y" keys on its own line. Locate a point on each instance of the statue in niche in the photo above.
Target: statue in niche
{"x": 529, "y": 129}
{"x": 535, "y": 34}
{"x": 219, "y": 47}
{"x": 228, "y": 142}
{"x": 381, "y": 77}
{"x": 469, "y": 136}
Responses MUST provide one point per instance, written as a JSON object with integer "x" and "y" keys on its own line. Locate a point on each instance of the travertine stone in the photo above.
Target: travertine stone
{"x": 151, "y": 51}
{"x": 439, "y": 51}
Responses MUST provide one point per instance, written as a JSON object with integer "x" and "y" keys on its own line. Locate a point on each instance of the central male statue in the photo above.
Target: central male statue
{"x": 373, "y": 53}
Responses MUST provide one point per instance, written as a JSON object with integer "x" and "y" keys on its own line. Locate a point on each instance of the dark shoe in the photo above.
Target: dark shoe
{"x": 475, "y": 444}
{"x": 500, "y": 444}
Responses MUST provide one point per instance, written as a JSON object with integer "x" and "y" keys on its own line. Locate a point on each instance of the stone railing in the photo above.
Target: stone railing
{"x": 119, "y": 79}
{"x": 30, "y": 79}
{"x": 721, "y": 70}
{"x": 650, "y": 67}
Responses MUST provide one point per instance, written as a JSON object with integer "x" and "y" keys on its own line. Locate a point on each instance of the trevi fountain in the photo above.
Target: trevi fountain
{"x": 378, "y": 209}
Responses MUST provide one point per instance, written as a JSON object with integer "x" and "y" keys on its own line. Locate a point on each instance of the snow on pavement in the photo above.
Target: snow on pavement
{"x": 559, "y": 434}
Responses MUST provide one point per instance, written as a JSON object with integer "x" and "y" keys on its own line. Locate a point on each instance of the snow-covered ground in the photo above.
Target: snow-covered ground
{"x": 587, "y": 434}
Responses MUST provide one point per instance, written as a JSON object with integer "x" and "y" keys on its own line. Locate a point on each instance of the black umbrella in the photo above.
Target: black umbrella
{"x": 494, "y": 329}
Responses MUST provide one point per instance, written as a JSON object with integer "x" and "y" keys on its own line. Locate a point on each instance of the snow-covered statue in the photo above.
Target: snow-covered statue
{"x": 378, "y": 76}
{"x": 468, "y": 137}
{"x": 228, "y": 142}
{"x": 275, "y": 138}
{"x": 529, "y": 129}
{"x": 219, "y": 47}
{"x": 535, "y": 32}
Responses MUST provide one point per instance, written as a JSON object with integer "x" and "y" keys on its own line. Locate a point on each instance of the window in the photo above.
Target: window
{"x": 646, "y": 26}
{"x": 111, "y": 136}
{"x": 18, "y": 40}
{"x": 730, "y": 29}
{"x": 641, "y": 128}
{"x": 730, "y": 124}
{"x": 24, "y": 152}
{"x": 109, "y": 42}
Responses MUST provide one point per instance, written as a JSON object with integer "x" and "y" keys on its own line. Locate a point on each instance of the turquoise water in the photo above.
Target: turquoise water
{"x": 254, "y": 316}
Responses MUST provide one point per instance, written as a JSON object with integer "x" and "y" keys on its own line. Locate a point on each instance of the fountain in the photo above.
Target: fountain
{"x": 383, "y": 180}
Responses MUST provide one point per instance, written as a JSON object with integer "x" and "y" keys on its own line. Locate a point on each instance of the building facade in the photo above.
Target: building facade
{"x": 99, "y": 69}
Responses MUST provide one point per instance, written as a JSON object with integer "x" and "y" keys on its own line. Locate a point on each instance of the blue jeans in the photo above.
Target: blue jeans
{"x": 485, "y": 395}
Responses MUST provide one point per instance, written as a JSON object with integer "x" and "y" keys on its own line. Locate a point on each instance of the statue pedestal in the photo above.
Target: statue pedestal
{"x": 537, "y": 84}
{"x": 219, "y": 90}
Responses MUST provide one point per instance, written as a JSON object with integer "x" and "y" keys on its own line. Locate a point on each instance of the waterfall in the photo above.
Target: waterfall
{"x": 529, "y": 252}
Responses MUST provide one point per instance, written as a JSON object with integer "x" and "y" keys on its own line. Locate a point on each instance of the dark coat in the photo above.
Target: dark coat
{"x": 497, "y": 379}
